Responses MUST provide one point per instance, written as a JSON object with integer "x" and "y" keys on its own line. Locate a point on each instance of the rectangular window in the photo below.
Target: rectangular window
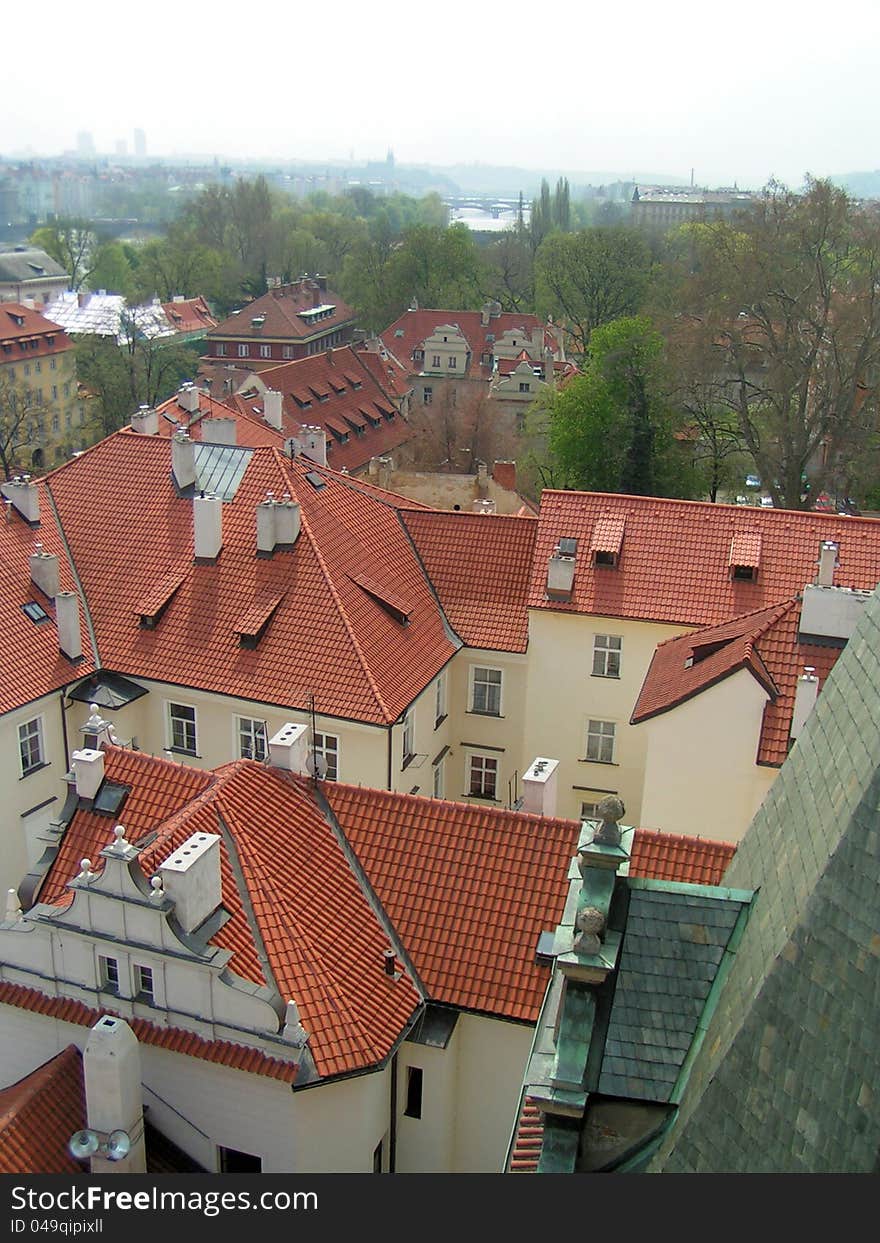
{"x": 51, "y": 364}
{"x": 38, "y": 367}
{"x": 233, "y": 1161}
{"x": 408, "y": 737}
{"x": 252, "y": 743}
{"x": 244, "y": 351}
{"x": 427, "y": 396}
{"x": 182, "y": 720}
{"x": 54, "y": 392}
{"x": 453, "y": 362}
{"x": 108, "y": 973}
{"x": 327, "y": 749}
{"x": 524, "y": 386}
{"x": 435, "y": 361}
{"x": 30, "y": 746}
{"x": 220, "y": 350}
{"x": 56, "y": 423}
{"x": 440, "y": 700}
{"x": 287, "y": 351}
{"x": 265, "y": 351}
{"x": 483, "y": 781}
{"x": 600, "y": 741}
{"x": 606, "y": 656}
{"x": 437, "y": 786}
{"x": 143, "y": 983}
{"x": 486, "y": 691}
{"x": 413, "y": 1092}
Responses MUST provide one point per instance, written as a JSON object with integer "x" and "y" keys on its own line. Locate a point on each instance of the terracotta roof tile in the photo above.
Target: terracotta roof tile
{"x": 688, "y": 860}
{"x": 39, "y": 1114}
{"x": 745, "y": 549}
{"x": 285, "y": 314}
{"x": 608, "y": 534}
{"x": 189, "y": 314}
{"x": 526, "y": 1152}
{"x": 415, "y": 326}
{"x": 480, "y": 565}
{"x": 252, "y": 430}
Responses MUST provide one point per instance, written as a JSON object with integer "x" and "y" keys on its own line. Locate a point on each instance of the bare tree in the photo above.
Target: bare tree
{"x": 21, "y": 431}
{"x": 461, "y": 427}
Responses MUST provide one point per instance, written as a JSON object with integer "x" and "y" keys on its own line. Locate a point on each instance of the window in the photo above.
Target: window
{"x": 265, "y": 351}
{"x": 524, "y": 386}
{"x": 327, "y": 749}
{"x": 408, "y": 737}
{"x": 30, "y": 746}
{"x": 182, "y": 721}
{"x": 143, "y": 983}
{"x": 486, "y": 691}
{"x": 427, "y": 396}
{"x": 418, "y": 355}
{"x": 244, "y": 351}
{"x": 220, "y": 350}
{"x": 437, "y": 785}
{"x": 252, "y": 739}
{"x": 51, "y": 364}
{"x": 54, "y": 392}
{"x": 453, "y": 362}
{"x": 483, "y": 776}
{"x": 600, "y": 741}
{"x": 108, "y": 974}
{"x": 413, "y": 1092}
{"x": 287, "y": 351}
{"x": 234, "y": 1162}
{"x": 606, "y": 656}
{"x": 67, "y": 388}
{"x": 435, "y": 361}
{"x": 440, "y": 700}
{"x": 38, "y": 367}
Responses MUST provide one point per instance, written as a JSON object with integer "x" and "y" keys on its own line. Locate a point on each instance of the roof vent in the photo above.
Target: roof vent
{"x": 805, "y": 696}
{"x": 191, "y": 879}
{"x": 539, "y": 787}
{"x": 560, "y": 571}
{"x": 827, "y": 562}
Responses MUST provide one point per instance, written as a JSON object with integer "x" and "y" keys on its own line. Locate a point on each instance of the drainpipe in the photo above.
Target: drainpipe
{"x": 392, "y": 1123}
{"x": 61, "y": 705}
{"x": 390, "y": 751}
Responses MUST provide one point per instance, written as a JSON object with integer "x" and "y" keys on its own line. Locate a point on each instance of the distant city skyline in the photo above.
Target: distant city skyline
{"x": 645, "y": 88}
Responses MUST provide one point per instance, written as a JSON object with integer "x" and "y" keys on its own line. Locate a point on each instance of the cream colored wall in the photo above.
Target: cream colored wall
{"x": 21, "y": 845}
{"x": 426, "y": 1145}
{"x": 562, "y": 696}
{"x": 492, "y": 1060}
{"x": 442, "y": 491}
{"x": 700, "y": 772}
{"x": 505, "y": 733}
{"x": 454, "y": 347}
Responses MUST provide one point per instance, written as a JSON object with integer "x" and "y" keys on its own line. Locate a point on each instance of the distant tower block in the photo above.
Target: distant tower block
{"x": 140, "y": 144}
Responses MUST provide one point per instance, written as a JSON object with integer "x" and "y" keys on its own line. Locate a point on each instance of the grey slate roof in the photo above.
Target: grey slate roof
{"x": 672, "y": 950}
{"x": 27, "y": 265}
{"x": 788, "y": 1077}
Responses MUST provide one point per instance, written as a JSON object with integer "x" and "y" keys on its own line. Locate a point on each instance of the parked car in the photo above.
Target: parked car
{"x": 766, "y": 502}
{"x": 823, "y": 504}
{"x": 752, "y": 481}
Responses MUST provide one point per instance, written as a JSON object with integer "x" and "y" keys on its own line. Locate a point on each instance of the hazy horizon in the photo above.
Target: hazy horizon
{"x": 647, "y": 90}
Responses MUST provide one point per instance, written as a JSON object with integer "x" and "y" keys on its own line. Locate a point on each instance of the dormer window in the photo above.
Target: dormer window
{"x": 607, "y": 540}
{"x": 745, "y": 556}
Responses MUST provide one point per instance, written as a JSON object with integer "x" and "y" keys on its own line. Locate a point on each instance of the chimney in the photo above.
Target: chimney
{"x": 219, "y": 431}
{"x": 114, "y": 1101}
{"x": 24, "y": 497}
{"x": 288, "y": 749}
{"x": 191, "y": 878}
{"x": 145, "y": 421}
{"x": 68, "y": 624}
{"x": 278, "y": 524}
{"x": 88, "y": 768}
{"x": 188, "y": 397}
{"x": 44, "y": 571}
{"x": 314, "y": 443}
{"x": 560, "y": 576}
{"x": 208, "y": 527}
{"x": 539, "y": 787}
{"x": 272, "y": 410}
{"x": 548, "y": 365}
{"x": 504, "y": 475}
{"x": 827, "y": 562}
{"x": 485, "y": 312}
{"x": 183, "y": 459}
{"x": 494, "y": 310}
{"x": 805, "y": 695}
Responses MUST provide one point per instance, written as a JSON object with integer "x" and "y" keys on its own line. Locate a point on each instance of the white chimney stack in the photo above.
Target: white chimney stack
{"x": 219, "y": 431}
{"x": 24, "y": 497}
{"x": 208, "y": 527}
{"x": 191, "y": 878}
{"x": 314, "y": 443}
{"x": 539, "y": 787}
{"x": 145, "y": 421}
{"x": 183, "y": 459}
{"x": 805, "y": 695}
{"x": 272, "y": 408}
{"x": 288, "y": 749}
{"x": 188, "y": 398}
{"x": 827, "y": 562}
{"x": 560, "y": 577}
{"x": 88, "y": 767}
{"x": 278, "y": 524}
{"x": 114, "y": 1100}
{"x": 44, "y": 571}
{"x": 68, "y": 624}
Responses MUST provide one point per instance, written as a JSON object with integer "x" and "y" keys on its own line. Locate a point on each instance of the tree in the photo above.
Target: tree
{"x": 612, "y": 429}
{"x": 790, "y": 297}
{"x": 72, "y": 243}
{"x": 462, "y": 427}
{"x": 591, "y": 278}
{"x": 20, "y": 431}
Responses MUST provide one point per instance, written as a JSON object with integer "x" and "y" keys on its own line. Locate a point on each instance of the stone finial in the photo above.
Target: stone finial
{"x": 157, "y": 889}
{"x": 589, "y": 926}
{"x": 611, "y": 809}
{"x": 119, "y": 845}
{"x": 13, "y": 906}
{"x": 85, "y": 870}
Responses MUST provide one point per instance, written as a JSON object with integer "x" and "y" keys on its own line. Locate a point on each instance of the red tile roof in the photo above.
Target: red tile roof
{"x": 39, "y": 1114}
{"x": 252, "y": 430}
{"x": 480, "y": 565}
{"x": 318, "y": 937}
{"x": 410, "y": 330}
{"x": 327, "y": 637}
{"x": 189, "y": 315}
{"x": 357, "y": 396}
{"x": 174, "y": 1039}
{"x": 675, "y": 556}
{"x": 687, "y": 860}
{"x": 283, "y": 311}
{"x": 765, "y": 642}
{"x": 26, "y": 334}
{"x": 526, "y": 1152}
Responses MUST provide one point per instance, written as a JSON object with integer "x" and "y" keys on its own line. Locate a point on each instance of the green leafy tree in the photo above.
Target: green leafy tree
{"x": 71, "y": 242}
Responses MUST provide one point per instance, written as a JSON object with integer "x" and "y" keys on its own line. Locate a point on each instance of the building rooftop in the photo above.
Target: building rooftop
{"x": 27, "y": 264}
{"x": 286, "y": 313}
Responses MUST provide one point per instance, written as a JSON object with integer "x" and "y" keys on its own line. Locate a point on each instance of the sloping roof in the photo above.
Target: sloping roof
{"x": 285, "y": 312}
{"x": 21, "y": 324}
{"x": 252, "y": 431}
{"x": 765, "y": 642}
{"x": 674, "y": 562}
{"x": 670, "y": 856}
{"x": 480, "y": 566}
{"x": 106, "y": 314}
{"x": 39, "y": 1114}
{"x": 526, "y": 1149}
{"x": 189, "y": 315}
{"x": 327, "y": 637}
{"x": 28, "y": 264}
{"x": 409, "y": 331}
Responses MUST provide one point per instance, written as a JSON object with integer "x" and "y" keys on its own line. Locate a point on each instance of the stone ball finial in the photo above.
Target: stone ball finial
{"x": 157, "y": 889}
{"x": 611, "y": 809}
{"x": 589, "y": 926}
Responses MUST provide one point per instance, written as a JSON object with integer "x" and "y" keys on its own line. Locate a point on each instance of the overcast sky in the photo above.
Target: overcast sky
{"x": 738, "y": 92}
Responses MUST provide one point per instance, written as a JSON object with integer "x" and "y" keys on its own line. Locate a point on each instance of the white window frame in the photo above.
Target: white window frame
{"x": 440, "y": 700}
{"x": 30, "y": 732}
{"x": 606, "y": 656}
{"x": 265, "y": 351}
{"x": 480, "y": 767}
{"x": 171, "y": 718}
{"x": 326, "y": 746}
{"x": 257, "y": 731}
{"x": 435, "y": 360}
{"x": 109, "y": 974}
{"x": 601, "y": 741}
{"x": 484, "y": 692}
{"x": 427, "y": 395}
{"x": 144, "y": 983}
{"x": 409, "y": 736}
{"x": 437, "y": 778}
